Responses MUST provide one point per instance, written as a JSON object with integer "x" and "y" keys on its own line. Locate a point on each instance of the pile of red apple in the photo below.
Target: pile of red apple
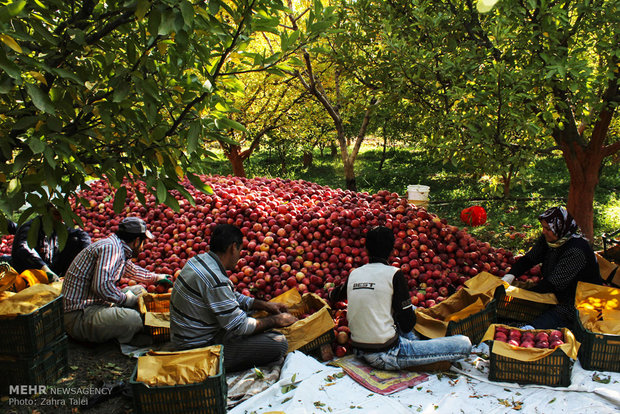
{"x": 342, "y": 333}
{"x": 297, "y": 234}
{"x": 529, "y": 339}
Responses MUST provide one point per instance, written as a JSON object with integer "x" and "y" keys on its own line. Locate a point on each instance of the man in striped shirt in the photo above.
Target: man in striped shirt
{"x": 96, "y": 310}
{"x": 205, "y": 310}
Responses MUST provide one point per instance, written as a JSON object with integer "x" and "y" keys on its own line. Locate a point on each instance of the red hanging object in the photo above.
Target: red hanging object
{"x": 474, "y": 216}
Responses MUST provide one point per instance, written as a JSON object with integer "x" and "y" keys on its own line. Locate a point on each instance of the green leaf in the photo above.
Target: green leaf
{"x": 161, "y": 192}
{"x": 16, "y": 7}
{"x": 49, "y": 156}
{"x": 36, "y": 145}
{"x": 25, "y": 122}
{"x": 8, "y": 66}
{"x": 33, "y": 233}
{"x": 142, "y": 8}
{"x": 120, "y": 92}
{"x": 119, "y": 199}
{"x": 229, "y": 123}
{"x": 40, "y": 99}
{"x": 14, "y": 186}
{"x": 62, "y": 233}
{"x": 173, "y": 203}
{"x": 192, "y": 136}
{"x": 199, "y": 184}
{"x": 187, "y": 10}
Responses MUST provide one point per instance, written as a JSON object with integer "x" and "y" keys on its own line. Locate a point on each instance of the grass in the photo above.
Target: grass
{"x": 511, "y": 223}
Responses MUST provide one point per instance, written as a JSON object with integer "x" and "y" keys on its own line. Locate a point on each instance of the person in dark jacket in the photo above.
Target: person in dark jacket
{"x": 46, "y": 254}
{"x": 566, "y": 258}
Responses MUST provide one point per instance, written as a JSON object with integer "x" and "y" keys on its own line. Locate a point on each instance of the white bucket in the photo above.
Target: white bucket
{"x": 418, "y": 194}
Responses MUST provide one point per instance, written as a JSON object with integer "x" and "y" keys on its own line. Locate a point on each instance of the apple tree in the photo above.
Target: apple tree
{"x": 492, "y": 89}
{"x": 120, "y": 90}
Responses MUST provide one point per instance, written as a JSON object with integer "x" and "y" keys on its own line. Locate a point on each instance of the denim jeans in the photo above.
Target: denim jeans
{"x": 411, "y": 351}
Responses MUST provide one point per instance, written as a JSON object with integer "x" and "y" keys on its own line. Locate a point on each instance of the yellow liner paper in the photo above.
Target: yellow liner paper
{"x": 305, "y": 330}
{"x": 599, "y": 308}
{"x": 477, "y": 293}
{"x": 179, "y": 368}
{"x": 29, "y": 299}
{"x": 518, "y": 293}
{"x": 570, "y": 346}
{"x": 157, "y": 319}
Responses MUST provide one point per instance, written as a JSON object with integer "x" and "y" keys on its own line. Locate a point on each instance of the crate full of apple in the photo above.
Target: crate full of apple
{"x": 529, "y": 339}
{"x": 314, "y": 324}
{"x": 537, "y": 356}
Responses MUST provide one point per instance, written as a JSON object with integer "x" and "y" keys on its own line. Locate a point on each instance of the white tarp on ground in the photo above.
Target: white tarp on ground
{"x": 315, "y": 389}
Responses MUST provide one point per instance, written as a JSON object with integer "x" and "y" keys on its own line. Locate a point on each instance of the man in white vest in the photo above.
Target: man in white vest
{"x": 381, "y": 317}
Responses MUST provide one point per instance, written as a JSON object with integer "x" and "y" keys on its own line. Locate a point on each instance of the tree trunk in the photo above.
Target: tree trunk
{"x": 333, "y": 148}
{"x": 506, "y": 192}
{"x": 349, "y": 176}
{"x": 383, "y": 153}
{"x": 236, "y": 161}
{"x": 507, "y": 179}
{"x": 584, "y": 165}
{"x": 307, "y": 159}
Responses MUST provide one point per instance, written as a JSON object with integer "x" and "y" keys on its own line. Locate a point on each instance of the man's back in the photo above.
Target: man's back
{"x": 203, "y": 305}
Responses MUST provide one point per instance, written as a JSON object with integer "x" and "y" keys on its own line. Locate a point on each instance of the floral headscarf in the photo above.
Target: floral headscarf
{"x": 561, "y": 223}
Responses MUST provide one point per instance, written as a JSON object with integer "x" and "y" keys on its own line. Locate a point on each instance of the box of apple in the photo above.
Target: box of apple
{"x": 539, "y": 356}
{"x": 314, "y": 321}
{"x": 529, "y": 339}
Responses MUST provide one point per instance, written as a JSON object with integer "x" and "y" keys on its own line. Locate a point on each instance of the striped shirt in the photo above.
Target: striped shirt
{"x": 204, "y": 306}
{"x": 94, "y": 273}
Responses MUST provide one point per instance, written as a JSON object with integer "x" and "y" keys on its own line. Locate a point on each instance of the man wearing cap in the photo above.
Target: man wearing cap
{"x": 96, "y": 310}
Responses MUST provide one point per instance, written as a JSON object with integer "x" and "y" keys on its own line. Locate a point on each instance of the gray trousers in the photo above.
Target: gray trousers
{"x": 102, "y": 323}
{"x": 244, "y": 352}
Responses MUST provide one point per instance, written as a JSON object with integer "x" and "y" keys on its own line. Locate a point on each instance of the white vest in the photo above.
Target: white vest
{"x": 369, "y": 311}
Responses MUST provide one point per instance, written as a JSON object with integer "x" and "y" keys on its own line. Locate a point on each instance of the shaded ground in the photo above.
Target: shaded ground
{"x": 92, "y": 369}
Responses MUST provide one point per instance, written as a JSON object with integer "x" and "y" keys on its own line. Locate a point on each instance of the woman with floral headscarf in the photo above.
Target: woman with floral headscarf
{"x": 566, "y": 258}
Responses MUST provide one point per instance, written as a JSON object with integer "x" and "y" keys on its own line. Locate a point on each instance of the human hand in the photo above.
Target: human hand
{"x": 137, "y": 290}
{"x": 508, "y": 278}
{"x": 131, "y": 299}
{"x": 51, "y": 276}
{"x": 163, "y": 279}
{"x": 284, "y": 319}
{"x": 275, "y": 307}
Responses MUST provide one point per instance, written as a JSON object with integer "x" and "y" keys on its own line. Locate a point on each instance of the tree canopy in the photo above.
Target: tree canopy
{"x": 123, "y": 91}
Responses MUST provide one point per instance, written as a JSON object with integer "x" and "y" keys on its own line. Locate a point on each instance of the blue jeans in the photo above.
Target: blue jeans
{"x": 411, "y": 351}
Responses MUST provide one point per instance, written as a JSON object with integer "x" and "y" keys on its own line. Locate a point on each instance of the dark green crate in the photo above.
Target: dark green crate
{"x": 518, "y": 310}
{"x": 29, "y": 333}
{"x": 554, "y": 370}
{"x": 598, "y": 351}
{"x": 313, "y": 346}
{"x": 43, "y": 368}
{"x": 208, "y": 397}
{"x": 474, "y": 326}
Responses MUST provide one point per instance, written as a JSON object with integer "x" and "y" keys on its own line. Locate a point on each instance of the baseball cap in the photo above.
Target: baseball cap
{"x": 134, "y": 225}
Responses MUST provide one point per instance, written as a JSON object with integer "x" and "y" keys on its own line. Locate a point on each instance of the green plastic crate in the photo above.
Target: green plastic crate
{"x": 598, "y": 351}
{"x": 474, "y": 326}
{"x": 313, "y": 346}
{"x": 29, "y": 333}
{"x": 207, "y": 397}
{"x": 554, "y": 370}
{"x": 43, "y": 368}
{"x": 510, "y": 309}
